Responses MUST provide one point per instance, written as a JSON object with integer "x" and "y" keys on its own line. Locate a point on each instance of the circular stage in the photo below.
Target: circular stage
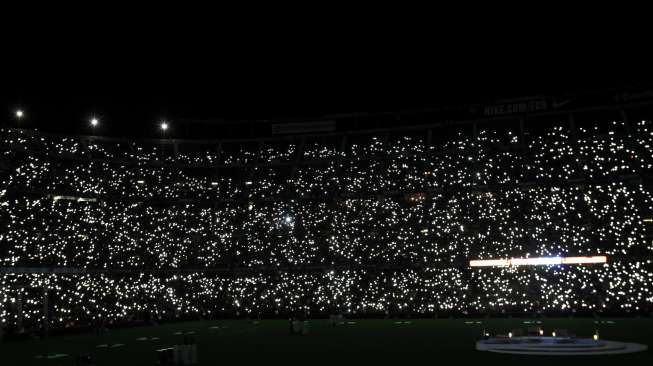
{"x": 557, "y": 346}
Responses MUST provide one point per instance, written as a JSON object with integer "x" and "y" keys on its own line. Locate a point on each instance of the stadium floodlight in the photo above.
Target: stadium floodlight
{"x": 20, "y": 113}
{"x": 164, "y": 126}
{"x": 94, "y": 121}
{"x": 541, "y": 261}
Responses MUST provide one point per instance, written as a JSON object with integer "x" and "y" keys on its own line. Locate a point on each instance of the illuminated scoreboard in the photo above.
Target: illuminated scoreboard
{"x": 541, "y": 261}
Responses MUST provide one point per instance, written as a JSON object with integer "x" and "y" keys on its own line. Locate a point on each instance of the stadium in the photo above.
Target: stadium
{"x": 412, "y": 232}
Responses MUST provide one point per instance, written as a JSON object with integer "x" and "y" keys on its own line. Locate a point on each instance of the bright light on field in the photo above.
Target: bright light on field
{"x": 542, "y": 261}
{"x": 19, "y": 114}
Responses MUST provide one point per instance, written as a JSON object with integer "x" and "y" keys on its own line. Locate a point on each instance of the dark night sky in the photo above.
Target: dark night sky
{"x": 132, "y": 87}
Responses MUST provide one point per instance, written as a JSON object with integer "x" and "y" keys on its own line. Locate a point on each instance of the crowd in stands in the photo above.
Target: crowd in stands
{"x": 378, "y": 225}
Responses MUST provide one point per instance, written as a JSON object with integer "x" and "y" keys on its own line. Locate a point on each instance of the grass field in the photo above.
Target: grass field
{"x": 425, "y": 340}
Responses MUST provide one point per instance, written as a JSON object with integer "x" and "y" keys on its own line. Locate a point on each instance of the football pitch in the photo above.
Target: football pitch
{"x": 396, "y": 341}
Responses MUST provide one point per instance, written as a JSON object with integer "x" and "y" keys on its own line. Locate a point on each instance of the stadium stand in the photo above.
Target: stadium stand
{"x": 366, "y": 223}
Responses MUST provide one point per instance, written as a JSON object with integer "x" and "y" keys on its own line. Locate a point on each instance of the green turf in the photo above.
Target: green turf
{"x": 431, "y": 340}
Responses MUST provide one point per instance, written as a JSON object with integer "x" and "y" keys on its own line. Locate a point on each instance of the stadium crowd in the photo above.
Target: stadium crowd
{"x": 383, "y": 224}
